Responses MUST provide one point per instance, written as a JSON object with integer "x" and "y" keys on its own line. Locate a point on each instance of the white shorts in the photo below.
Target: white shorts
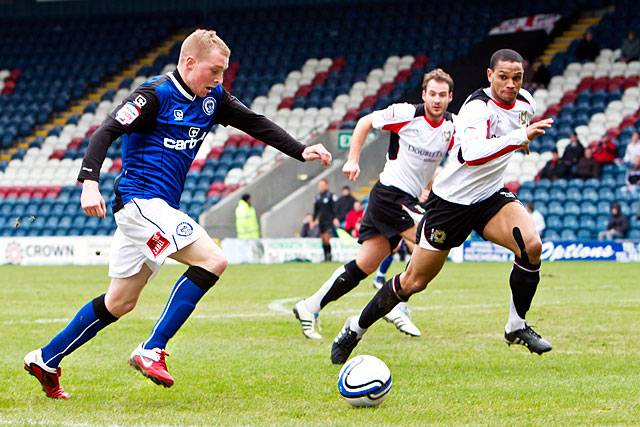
{"x": 149, "y": 230}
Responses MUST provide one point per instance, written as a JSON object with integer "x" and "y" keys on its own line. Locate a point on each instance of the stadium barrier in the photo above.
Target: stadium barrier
{"x": 94, "y": 250}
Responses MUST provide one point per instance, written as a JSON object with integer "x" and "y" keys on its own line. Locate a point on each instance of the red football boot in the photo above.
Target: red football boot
{"x": 151, "y": 364}
{"x": 49, "y": 377}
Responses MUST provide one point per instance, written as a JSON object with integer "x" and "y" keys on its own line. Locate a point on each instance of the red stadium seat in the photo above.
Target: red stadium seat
{"x": 197, "y": 165}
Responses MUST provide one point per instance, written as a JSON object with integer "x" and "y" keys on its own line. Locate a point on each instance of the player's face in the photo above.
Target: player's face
{"x": 506, "y": 81}
{"x": 207, "y": 72}
{"x": 436, "y": 97}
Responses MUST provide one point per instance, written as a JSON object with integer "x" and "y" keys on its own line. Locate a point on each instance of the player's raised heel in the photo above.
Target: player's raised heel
{"x": 151, "y": 364}
{"x": 344, "y": 344}
{"x": 48, "y": 377}
{"x": 528, "y": 338}
{"x": 307, "y": 321}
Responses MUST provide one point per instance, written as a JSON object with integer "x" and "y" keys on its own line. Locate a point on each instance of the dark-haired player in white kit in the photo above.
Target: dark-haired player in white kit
{"x": 469, "y": 195}
{"x": 420, "y": 137}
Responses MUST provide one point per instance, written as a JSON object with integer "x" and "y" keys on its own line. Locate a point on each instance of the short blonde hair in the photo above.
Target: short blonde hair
{"x": 202, "y": 41}
{"x": 438, "y": 75}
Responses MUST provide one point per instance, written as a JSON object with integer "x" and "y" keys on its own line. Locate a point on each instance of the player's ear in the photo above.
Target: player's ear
{"x": 424, "y": 95}
{"x": 489, "y": 74}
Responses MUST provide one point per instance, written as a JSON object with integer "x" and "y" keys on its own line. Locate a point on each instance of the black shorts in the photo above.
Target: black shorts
{"x": 446, "y": 225}
{"x": 326, "y": 227}
{"x": 389, "y": 213}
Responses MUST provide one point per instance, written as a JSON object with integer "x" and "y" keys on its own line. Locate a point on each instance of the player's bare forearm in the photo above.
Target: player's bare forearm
{"x": 362, "y": 129}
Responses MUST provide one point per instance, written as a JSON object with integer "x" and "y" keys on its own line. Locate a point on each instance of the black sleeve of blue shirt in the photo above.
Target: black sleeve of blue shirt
{"x": 114, "y": 126}
{"x": 235, "y": 113}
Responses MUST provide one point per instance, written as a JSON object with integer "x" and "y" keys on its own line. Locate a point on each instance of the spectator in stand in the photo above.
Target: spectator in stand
{"x": 633, "y": 149}
{"x": 630, "y": 49}
{"x": 344, "y": 204}
{"x": 604, "y": 151}
{"x": 633, "y": 175}
{"x": 536, "y": 216}
{"x": 309, "y": 227}
{"x": 572, "y": 154}
{"x": 554, "y": 168}
{"x": 353, "y": 218}
{"x": 587, "y": 166}
{"x": 618, "y": 224}
{"x": 587, "y": 48}
{"x": 540, "y": 75}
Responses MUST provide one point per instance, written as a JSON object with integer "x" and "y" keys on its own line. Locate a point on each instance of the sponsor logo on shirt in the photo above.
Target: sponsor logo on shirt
{"x": 425, "y": 154}
{"x": 208, "y": 105}
{"x": 128, "y": 113}
{"x": 183, "y": 144}
{"x": 178, "y": 115}
{"x": 157, "y": 243}
{"x": 184, "y": 229}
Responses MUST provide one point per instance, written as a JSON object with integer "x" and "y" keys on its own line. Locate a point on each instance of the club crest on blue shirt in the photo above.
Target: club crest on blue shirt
{"x": 184, "y": 229}
{"x": 208, "y": 105}
{"x": 193, "y": 132}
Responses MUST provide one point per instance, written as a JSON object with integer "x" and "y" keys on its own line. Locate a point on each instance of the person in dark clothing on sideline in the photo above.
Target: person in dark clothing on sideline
{"x": 324, "y": 212}
{"x": 344, "y": 204}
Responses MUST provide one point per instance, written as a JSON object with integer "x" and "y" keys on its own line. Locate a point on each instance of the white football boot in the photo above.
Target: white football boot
{"x": 307, "y": 319}
{"x": 399, "y": 316}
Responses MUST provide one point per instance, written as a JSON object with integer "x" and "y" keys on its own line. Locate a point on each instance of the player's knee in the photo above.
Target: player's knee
{"x": 118, "y": 306}
{"x": 215, "y": 264}
{"x": 533, "y": 246}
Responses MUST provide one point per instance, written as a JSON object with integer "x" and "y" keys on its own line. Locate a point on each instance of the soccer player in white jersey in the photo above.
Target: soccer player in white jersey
{"x": 420, "y": 137}
{"x": 468, "y": 195}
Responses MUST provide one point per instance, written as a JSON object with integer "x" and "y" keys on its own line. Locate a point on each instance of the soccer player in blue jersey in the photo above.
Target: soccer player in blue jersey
{"x": 163, "y": 123}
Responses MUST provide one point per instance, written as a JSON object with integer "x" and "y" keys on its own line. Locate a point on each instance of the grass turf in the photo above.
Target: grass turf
{"x": 241, "y": 360}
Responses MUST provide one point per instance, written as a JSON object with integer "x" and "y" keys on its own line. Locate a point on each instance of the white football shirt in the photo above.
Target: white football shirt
{"x": 487, "y": 134}
{"x": 416, "y": 145}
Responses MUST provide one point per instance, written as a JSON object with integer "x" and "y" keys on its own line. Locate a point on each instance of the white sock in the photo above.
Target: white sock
{"x": 515, "y": 321}
{"x": 313, "y": 302}
{"x": 355, "y": 326}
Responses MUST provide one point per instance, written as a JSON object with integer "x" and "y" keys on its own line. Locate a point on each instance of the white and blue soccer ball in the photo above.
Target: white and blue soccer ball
{"x": 364, "y": 381}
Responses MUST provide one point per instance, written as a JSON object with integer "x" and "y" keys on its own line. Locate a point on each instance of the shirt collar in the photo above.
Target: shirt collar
{"x": 177, "y": 80}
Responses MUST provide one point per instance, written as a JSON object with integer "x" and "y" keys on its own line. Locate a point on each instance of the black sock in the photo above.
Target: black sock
{"x": 326, "y": 248}
{"x": 382, "y": 302}
{"x": 523, "y": 282}
{"x": 344, "y": 283}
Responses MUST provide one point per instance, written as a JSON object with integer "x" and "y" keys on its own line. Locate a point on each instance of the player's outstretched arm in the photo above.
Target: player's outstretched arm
{"x": 351, "y": 168}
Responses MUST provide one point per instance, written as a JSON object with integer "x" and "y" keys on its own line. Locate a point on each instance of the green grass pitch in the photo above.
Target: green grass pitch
{"x": 242, "y": 360}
